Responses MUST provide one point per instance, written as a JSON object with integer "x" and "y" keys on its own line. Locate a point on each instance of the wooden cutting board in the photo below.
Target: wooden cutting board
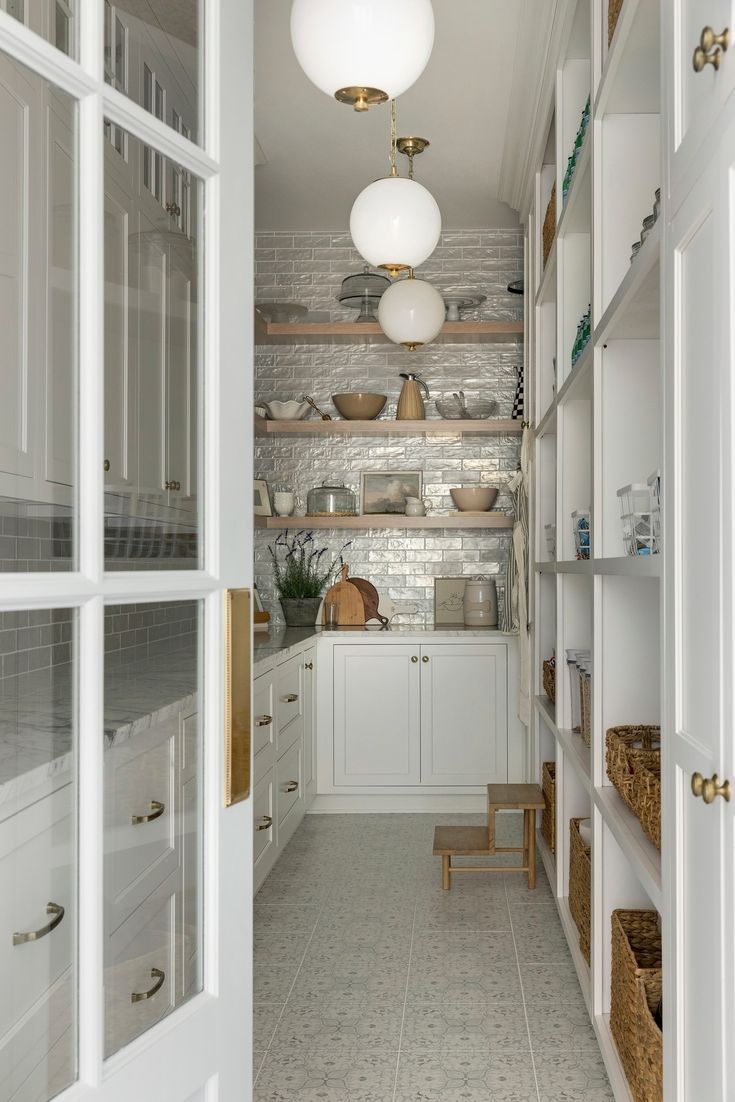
{"x": 348, "y": 599}
{"x": 370, "y": 600}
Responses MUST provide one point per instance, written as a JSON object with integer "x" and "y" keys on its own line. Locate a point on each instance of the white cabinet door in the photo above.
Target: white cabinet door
{"x": 377, "y": 713}
{"x": 310, "y": 667}
{"x": 21, "y": 270}
{"x": 152, "y": 298}
{"x": 464, "y": 714}
{"x": 700, "y": 652}
{"x": 696, "y": 99}
{"x": 121, "y": 422}
{"x": 181, "y": 377}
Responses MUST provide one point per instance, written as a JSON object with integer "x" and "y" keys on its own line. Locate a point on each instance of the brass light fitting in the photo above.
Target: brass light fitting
{"x": 361, "y": 98}
{"x": 411, "y": 147}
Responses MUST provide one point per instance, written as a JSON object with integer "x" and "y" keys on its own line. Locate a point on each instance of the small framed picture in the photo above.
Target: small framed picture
{"x": 261, "y": 499}
{"x": 386, "y": 491}
{"x": 449, "y": 600}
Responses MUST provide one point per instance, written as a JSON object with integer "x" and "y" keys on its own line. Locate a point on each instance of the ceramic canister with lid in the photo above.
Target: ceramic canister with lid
{"x": 480, "y": 603}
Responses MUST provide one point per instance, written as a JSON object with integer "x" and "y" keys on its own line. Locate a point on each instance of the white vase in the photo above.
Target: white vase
{"x": 283, "y": 503}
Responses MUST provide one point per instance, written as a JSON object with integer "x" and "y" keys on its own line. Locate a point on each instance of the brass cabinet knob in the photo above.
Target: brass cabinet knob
{"x": 263, "y": 721}
{"x": 710, "y": 48}
{"x": 425, "y": 658}
{"x": 308, "y": 665}
{"x": 168, "y": 485}
{"x": 177, "y": 486}
{"x": 265, "y": 823}
{"x": 414, "y": 658}
{"x": 709, "y": 788}
{"x": 172, "y": 485}
{"x": 290, "y": 698}
{"x": 106, "y": 466}
{"x": 291, "y": 786}
{"x": 173, "y": 209}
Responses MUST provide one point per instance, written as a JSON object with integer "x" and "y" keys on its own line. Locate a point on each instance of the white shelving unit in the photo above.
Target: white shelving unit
{"x": 598, "y": 427}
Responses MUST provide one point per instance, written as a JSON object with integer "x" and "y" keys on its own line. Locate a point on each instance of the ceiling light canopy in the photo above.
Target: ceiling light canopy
{"x": 362, "y": 51}
{"x": 411, "y": 313}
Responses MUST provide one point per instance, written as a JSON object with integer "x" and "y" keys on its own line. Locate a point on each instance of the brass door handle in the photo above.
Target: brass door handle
{"x": 414, "y": 658}
{"x": 425, "y": 658}
{"x": 157, "y": 810}
{"x": 290, "y": 698}
{"x": 54, "y": 909}
{"x": 265, "y": 823}
{"x": 709, "y": 788}
{"x": 710, "y": 47}
{"x": 291, "y": 786}
{"x": 263, "y": 721}
{"x": 159, "y": 976}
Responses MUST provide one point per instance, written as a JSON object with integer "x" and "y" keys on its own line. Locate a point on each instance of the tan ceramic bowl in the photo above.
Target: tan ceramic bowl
{"x": 359, "y": 407}
{"x": 474, "y": 498}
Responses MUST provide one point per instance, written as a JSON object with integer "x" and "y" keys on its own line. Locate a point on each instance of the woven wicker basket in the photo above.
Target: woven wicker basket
{"x": 613, "y": 11}
{"x": 548, "y": 815}
{"x": 549, "y": 679}
{"x": 628, "y": 748}
{"x": 580, "y": 886}
{"x": 647, "y": 799}
{"x": 635, "y": 991}
{"x": 548, "y": 232}
{"x": 585, "y": 708}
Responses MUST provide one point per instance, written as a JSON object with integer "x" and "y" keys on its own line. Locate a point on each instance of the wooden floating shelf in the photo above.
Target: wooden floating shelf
{"x": 489, "y": 427}
{"x": 388, "y": 520}
{"x": 351, "y": 332}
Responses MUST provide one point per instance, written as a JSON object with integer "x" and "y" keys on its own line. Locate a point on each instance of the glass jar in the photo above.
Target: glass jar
{"x": 331, "y": 499}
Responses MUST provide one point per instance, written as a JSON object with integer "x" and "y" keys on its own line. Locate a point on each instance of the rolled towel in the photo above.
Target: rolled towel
{"x": 585, "y": 832}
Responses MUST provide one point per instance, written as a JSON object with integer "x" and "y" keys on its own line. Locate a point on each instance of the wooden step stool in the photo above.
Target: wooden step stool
{"x": 460, "y": 841}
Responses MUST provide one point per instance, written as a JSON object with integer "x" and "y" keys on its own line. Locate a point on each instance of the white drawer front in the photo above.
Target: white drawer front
{"x": 264, "y": 711}
{"x": 264, "y": 816}
{"x": 141, "y": 837}
{"x": 141, "y": 962}
{"x": 38, "y": 1059}
{"x": 36, "y": 869}
{"x": 289, "y": 780}
{"x": 289, "y": 702}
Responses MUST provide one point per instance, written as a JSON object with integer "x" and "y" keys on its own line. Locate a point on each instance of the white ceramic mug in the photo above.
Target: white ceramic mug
{"x": 283, "y": 503}
{"x": 415, "y": 507}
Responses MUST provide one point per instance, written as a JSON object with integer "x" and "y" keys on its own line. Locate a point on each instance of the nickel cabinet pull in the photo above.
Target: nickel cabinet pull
{"x": 54, "y": 909}
{"x": 159, "y": 976}
{"x": 157, "y": 810}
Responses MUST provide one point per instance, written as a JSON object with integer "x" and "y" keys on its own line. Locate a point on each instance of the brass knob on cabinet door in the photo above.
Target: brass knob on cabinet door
{"x": 709, "y": 788}
{"x": 106, "y": 465}
{"x": 290, "y": 698}
{"x": 265, "y": 823}
{"x": 425, "y": 658}
{"x": 168, "y": 485}
{"x": 308, "y": 665}
{"x": 710, "y": 47}
{"x": 263, "y": 721}
{"x": 414, "y": 658}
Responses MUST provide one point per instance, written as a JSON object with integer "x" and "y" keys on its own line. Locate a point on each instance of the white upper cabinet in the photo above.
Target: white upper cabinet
{"x": 464, "y": 714}
{"x": 121, "y": 451}
{"x": 695, "y": 99}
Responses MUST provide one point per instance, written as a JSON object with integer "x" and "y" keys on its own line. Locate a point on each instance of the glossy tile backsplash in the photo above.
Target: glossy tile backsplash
{"x": 309, "y": 268}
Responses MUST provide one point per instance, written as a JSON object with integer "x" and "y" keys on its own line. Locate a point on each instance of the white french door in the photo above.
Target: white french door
{"x": 126, "y": 244}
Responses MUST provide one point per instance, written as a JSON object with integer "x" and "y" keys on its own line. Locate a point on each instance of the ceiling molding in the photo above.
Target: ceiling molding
{"x": 544, "y": 27}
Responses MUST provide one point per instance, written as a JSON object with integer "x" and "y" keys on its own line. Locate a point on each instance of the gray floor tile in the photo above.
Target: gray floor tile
{"x": 455, "y": 912}
{"x": 265, "y": 1019}
{"x": 572, "y": 1077}
{"x": 375, "y": 981}
{"x": 272, "y": 982}
{"x": 440, "y": 981}
{"x": 465, "y": 1077}
{"x": 310, "y": 1073}
{"x": 516, "y": 884}
{"x": 258, "y": 1058}
{"x": 538, "y": 935}
{"x": 462, "y": 1023}
{"x": 341, "y": 1019}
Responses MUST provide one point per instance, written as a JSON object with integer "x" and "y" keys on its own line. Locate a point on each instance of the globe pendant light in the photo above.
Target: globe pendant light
{"x": 362, "y": 52}
{"x": 395, "y": 223}
{"x": 411, "y": 312}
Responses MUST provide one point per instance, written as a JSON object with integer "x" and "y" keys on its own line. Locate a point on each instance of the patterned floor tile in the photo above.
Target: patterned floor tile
{"x": 516, "y": 884}
{"x": 539, "y": 936}
{"x": 375, "y": 981}
{"x": 272, "y": 982}
{"x": 572, "y": 1077}
{"x": 461, "y": 1024}
{"x": 465, "y": 1077}
{"x": 441, "y": 981}
{"x": 265, "y": 1020}
{"x": 311, "y": 1073}
{"x": 341, "y": 1019}
{"x": 453, "y": 912}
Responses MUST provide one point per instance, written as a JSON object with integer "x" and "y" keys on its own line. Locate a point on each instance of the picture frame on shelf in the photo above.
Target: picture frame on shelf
{"x": 449, "y": 601}
{"x": 262, "y": 506}
{"x": 385, "y": 492}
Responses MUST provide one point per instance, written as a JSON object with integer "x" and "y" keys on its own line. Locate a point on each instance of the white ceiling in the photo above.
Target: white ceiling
{"x": 319, "y": 154}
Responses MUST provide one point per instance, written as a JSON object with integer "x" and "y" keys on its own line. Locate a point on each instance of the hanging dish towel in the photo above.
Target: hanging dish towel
{"x": 516, "y": 588}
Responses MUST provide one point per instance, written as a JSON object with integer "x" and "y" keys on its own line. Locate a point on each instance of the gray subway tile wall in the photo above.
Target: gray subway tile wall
{"x": 309, "y": 268}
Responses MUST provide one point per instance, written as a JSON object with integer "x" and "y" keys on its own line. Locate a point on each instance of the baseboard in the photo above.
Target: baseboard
{"x": 376, "y": 804}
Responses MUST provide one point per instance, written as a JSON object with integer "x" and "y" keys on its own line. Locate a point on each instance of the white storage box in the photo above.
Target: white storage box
{"x": 582, "y": 533}
{"x": 635, "y": 498}
{"x": 635, "y": 516}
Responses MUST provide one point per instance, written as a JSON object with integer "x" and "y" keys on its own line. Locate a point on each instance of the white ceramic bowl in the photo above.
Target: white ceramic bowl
{"x": 287, "y": 411}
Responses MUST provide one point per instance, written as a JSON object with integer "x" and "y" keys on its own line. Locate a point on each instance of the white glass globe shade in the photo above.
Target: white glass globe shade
{"x": 380, "y": 44}
{"x": 411, "y": 312}
{"x": 396, "y": 223}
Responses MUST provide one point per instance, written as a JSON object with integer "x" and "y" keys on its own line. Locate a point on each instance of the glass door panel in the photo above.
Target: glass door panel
{"x": 38, "y": 322}
{"x": 52, "y": 19}
{"x": 153, "y": 843}
{"x": 38, "y": 863}
{"x": 153, "y": 388}
{"x": 153, "y": 54}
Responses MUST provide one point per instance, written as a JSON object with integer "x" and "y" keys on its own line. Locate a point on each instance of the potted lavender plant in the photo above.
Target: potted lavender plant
{"x": 302, "y": 571}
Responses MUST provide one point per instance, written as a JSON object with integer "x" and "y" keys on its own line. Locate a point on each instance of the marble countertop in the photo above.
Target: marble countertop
{"x": 36, "y": 714}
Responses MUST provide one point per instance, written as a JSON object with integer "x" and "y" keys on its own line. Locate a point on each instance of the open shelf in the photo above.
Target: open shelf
{"x": 547, "y": 286}
{"x": 351, "y": 332}
{"x": 630, "y": 566}
{"x": 432, "y": 426}
{"x": 631, "y": 79}
{"x": 577, "y": 213}
{"x": 628, "y": 833}
{"x": 578, "y": 753}
{"x": 634, "y": 310}
{"x": 388, "y": 520}
{"x": 578, "y": 383}
{"x": 547, "y": 710}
